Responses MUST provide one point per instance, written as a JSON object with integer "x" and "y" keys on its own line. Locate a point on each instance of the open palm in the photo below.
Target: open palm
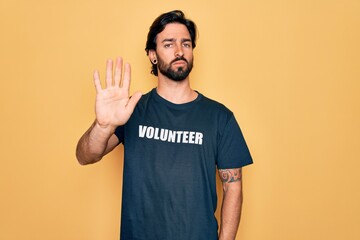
{"x": 113, "y": 104}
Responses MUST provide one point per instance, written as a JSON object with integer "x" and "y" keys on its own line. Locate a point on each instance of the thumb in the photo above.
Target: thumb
{"x": 134, "y": 99}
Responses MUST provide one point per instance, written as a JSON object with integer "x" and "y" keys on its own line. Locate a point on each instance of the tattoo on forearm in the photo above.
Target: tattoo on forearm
{"x": 230, "y": 175}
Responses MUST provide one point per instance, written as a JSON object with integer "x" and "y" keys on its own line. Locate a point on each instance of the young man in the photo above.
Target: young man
{"x": 174, "y": 140}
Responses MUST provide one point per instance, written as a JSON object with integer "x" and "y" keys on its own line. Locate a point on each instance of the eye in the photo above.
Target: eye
{"x": 168, "y": 45}
{"x": 187, "y": 45}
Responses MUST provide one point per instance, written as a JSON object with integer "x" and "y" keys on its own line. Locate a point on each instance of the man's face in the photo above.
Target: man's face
{"x": 174, "y": 52}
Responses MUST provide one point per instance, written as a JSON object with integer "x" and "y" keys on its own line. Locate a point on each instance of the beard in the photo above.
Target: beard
{"x": 179, "y": 73}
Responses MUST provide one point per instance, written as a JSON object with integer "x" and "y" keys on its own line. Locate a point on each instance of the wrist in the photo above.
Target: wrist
{"x": 105, "y": 129}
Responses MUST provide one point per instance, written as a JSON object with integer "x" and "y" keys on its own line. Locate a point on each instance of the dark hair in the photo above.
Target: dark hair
{"x": 158, "y": 26}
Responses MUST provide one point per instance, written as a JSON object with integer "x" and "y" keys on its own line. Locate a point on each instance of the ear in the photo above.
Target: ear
{"x": 152, "y": 56}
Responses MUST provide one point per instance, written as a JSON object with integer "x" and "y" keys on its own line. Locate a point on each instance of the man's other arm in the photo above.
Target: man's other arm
{"x": 232, "y": 202}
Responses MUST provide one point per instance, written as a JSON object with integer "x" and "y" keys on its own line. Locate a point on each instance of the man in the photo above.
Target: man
{"x": 174, "y": 139}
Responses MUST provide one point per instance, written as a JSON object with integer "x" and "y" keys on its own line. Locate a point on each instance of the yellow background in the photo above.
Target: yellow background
{"x": 290, "y": 71}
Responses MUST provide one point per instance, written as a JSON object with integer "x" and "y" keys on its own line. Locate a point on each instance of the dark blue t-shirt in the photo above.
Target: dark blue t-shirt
{"x": 171, "y": 152}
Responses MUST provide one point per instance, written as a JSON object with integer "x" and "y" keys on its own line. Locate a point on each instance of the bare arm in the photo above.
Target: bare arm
{"x": 113, "y": 108}
{"x": 232, "y": 202}
{"x": 94, "y": 144}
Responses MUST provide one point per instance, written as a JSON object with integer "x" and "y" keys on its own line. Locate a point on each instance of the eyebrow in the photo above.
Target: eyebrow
{"x": 174, "y": 40}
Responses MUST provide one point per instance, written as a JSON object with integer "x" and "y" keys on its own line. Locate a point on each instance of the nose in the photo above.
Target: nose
{"x": 179, "y": 51}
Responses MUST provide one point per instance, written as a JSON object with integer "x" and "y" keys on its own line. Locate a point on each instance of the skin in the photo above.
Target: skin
{"x": 232, "y": 202}
{"x": 174, "y": 41}
{"x": 114, "y": 107}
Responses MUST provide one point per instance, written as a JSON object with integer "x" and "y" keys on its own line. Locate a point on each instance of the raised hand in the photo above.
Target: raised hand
{"x": 113, "y": 104}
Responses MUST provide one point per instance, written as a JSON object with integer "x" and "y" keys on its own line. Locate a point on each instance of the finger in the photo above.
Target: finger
{"x": 118, "y": 69}
{"x": 97, "y": 82}
{"x": 127, "y": 77}
{"x": 133, "y": 101}
{"x": 109, "y": 68}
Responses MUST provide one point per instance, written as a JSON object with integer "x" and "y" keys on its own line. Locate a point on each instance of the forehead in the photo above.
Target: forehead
{"x": 174, "y": 31}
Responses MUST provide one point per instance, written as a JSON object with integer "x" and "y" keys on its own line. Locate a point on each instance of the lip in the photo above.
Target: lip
{"x": 179, "y": 62}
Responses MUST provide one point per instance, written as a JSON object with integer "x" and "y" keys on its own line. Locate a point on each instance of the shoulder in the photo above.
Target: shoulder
{"x": 215, "y": 112}
{"x": 215, "y": 106}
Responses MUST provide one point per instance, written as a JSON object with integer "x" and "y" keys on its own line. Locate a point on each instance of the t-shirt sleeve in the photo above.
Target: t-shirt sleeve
{"x": 233, "y": 151}
{"x": 119, "y": 132}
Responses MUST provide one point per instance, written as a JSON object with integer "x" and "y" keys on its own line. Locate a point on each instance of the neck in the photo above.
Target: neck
{"x": 177, "y": 92}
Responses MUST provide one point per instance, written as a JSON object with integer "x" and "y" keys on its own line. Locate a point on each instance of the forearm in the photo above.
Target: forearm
{"x": 93, "y": 144}
{"x": 232, "y": 202}
{"x": 230, "y": 214}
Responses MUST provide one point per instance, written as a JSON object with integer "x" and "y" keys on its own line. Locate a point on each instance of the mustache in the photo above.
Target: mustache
{"x": 179, "y": 59}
